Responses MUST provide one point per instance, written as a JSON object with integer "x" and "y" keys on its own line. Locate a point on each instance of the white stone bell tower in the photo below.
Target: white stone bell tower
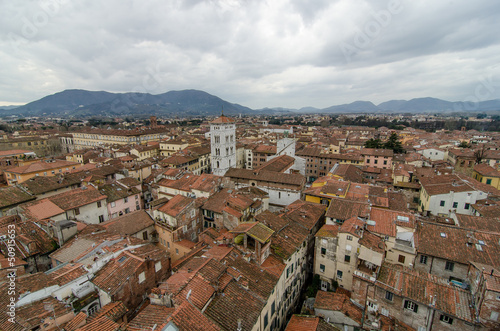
{"x": 223, "y": 144}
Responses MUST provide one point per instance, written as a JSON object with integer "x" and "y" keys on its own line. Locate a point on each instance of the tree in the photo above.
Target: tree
{"x": 464, "y": 144}
{"x": 373, "y": 143}
{"x": 479, "y": 154}
{"x": 394, "y": 144}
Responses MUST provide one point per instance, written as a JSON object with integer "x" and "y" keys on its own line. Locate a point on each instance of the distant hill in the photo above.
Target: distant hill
{"x": 419, "y": 105}
{"x": 392, "y": 105}
{"x": 100, "y": 103}
{"x": 356, "y": 106}
{"x": 80, "y": 103}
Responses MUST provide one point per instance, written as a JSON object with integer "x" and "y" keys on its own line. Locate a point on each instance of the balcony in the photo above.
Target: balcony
{"x": 364, "y": 275}
{"x": 404, "y": 246}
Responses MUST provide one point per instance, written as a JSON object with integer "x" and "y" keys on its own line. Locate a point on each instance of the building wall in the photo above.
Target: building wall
{"x": 433, "y": 154}
{"x": 437, "y": 266}
{"x": 90, "y": 213}
{"x": 381, "y": 162}
{"x": 328, "y": 259}
{"x": 493, "y": 181}
{"x": 337, "y": 318}
{"x": 87, "y": 139}
{"x": 248, "y": 158}
{"x": 14, "y": 178}
{"x": 433, "y": 203}
{"x": 347, "y": 268}
{"x": 223, "y": 147}
{"x": 119, "y": 207}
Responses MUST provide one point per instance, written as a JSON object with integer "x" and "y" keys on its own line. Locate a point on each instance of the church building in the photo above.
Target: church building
{"x": 223, "y": 144}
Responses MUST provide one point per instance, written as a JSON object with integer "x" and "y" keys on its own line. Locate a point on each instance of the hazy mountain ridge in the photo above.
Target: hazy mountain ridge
{"x": 100, "y": 103}
{"x": 195, "y": 102}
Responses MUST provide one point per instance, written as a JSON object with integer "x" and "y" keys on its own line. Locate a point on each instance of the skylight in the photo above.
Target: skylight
{"x": 443, "y": 234}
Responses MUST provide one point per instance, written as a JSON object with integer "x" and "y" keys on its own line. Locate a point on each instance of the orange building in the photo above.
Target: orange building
{"x": 45, "y": 168}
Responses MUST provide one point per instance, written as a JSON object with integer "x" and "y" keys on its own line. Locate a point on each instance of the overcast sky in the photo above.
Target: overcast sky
{"x": 274, "y": 53}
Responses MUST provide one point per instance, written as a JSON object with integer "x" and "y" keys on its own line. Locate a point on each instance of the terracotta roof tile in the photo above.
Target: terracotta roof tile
{"x": 426, "y": 289}
{"x": 328, "y": 231}
{"x": 129, "y": 224}
{"x": 43, "y": 166}
{"x": 74, "y": 198}
{"x": 12, "y": 195}
{"x": 302, "y": 323}
{"x": 103, "y": 323}
{"x": 149, "y": 317}
{"x": 187, "y": 317}
{"x": 176, "y": 205}
{"x": 78, "y": 321}
{"x": 226, "y": 310}
{"x": 455, "y": 244}
{"x": 114, "y": 311}
{"x": 222, "y": 119}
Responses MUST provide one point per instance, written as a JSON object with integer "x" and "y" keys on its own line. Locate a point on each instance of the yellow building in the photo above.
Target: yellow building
{"x": 324, "y": 189}
{"x": 41, "y": 168}
{"x": 172, "y": 146}
{"x": 99, "y": 137}
{"x": 487, "y": 174}
{"x": 145, "y": 151}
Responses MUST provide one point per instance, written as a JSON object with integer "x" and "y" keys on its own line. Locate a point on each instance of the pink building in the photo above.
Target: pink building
{"x": 121, "y": 200}
{"x": 378, "y": 158}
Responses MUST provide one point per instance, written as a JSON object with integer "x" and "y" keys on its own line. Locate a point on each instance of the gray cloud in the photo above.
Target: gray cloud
{"x": 289, "y": 53}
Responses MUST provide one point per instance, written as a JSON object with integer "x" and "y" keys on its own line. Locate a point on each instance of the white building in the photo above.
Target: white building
{"x": 223, "y": 144}
{"x": 447, "y": 194}
{"x": 432, "y": 153}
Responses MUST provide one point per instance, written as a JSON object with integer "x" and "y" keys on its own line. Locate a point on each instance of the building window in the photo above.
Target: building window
{"x": 322, "y": 268}
{"x": 142, "y": 277}
{"x": 339, "y": 274}
{"x": 77, "y": 211}
{"x": 101, "y": 218}
{"x": 401, "y": 259}
{"x": 347, "y": 258}
{"x": 488, "y": 181}
{"x": 449, "y": 266}
{"x": 389, "y": 295}
{"x": 423, "y": 259}
{"x": 266, "y": 321}
{"x": 441, "y": 203}
{"x": 177, "y": 251}
{"x": 113, "y": 204}
{"x": 349, "y": 237}
{"x": 446, "y": 319}
{"x": 273, "y": 308}
{"x": 125, "y": 200}
{"x": 157, "y": 266}
{"x": 98, "y": 204}
{"x": 455, "y": 205}
{"x": 145, "y": 235}
{"x": 467, "y": 205}
{"x": 127, "y": 210}
{"x": 323, "y": 251}
{"x": 410, "y": 305}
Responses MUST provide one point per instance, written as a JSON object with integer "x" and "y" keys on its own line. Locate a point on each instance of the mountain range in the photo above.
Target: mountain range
{"x": 79, "y": 103}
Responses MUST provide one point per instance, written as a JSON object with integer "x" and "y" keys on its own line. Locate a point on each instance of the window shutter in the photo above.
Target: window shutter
{"x": 416, "y": 308}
